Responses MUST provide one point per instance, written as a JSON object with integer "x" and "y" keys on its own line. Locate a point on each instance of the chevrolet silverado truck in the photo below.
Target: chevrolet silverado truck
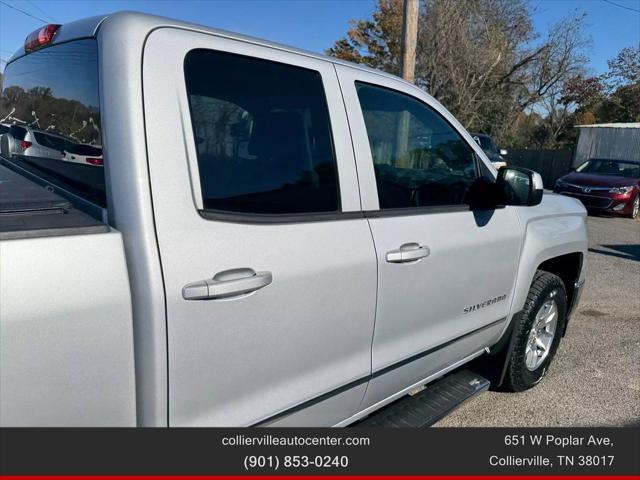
{"x": 271, "y": 237}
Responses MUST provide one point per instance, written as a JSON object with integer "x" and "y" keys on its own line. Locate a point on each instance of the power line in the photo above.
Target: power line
{"x": 22, "y": 11}
{"x": 35, "y": 5}
{"x": 621, "y": 6}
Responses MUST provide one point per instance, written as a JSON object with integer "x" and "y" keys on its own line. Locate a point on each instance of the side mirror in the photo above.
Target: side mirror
{"x": 503, "y": 151}
{"x": 519, "y": 186}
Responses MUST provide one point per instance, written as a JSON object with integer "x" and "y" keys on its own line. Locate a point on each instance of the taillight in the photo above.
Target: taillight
{"x": 40, "y": 37}
{"x": 24, "y": 144}
{"x": 98, "y": 162}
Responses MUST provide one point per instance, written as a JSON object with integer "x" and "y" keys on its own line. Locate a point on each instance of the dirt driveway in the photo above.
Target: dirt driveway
{"x": 595, "y": 377}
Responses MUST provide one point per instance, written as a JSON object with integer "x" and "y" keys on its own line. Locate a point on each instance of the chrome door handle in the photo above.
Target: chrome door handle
{"x": 227, "y": 284}
{"x": 409, "y": 252}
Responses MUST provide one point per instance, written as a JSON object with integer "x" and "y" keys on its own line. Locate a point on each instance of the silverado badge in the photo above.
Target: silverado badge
{"x": 486, "y": 303}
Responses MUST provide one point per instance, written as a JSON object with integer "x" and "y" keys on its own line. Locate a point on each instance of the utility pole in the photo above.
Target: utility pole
{"x": 409, "y": 39}
{"x": 408, "y": 68}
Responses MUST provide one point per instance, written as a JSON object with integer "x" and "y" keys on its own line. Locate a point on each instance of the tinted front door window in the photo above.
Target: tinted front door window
{"x": 419, "y": 159}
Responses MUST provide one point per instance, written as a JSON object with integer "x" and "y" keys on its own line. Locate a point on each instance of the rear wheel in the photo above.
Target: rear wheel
{"x": 537, "y": 334}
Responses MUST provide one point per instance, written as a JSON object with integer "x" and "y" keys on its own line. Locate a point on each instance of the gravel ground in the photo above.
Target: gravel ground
{"x": 594, "y": 379}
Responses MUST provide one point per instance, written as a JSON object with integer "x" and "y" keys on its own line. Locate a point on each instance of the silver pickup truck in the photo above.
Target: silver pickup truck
{"x": 267, "y": 237}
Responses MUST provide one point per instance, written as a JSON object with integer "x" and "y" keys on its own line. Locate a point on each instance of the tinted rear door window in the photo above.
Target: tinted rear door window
{"x": 263, "y": 135}
{"x": 54, "y": 94}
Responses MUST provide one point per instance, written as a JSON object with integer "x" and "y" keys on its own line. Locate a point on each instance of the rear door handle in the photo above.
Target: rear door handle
{"x": 227, "y": 284}
{"x": 409, "y": 252}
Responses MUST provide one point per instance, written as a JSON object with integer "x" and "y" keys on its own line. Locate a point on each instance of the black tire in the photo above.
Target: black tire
{"x": 545, "y": 286}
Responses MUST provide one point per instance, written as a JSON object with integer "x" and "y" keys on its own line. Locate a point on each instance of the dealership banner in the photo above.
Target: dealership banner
{"x": 303, "y": 451}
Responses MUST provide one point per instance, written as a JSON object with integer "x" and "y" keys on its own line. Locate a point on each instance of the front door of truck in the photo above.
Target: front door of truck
{"x": 446, "y": 272}
{"x": 269, "y": 268}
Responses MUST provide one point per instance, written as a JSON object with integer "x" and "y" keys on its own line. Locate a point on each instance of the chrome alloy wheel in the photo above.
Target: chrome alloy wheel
{"x": 541, "y": 335}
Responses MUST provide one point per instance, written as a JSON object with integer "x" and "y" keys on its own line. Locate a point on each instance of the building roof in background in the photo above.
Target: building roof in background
{"x": 610, "y": 125}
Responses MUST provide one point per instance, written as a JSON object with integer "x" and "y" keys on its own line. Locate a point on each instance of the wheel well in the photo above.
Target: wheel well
{"x": 567, "y": 267}
{"x": 493, "y": 366}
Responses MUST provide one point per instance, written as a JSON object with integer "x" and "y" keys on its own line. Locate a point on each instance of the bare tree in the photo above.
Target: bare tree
{"x": 481, "y": 58}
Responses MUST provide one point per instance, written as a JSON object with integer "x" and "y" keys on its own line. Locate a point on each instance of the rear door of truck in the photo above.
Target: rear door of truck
{"x": 269, "y": 266}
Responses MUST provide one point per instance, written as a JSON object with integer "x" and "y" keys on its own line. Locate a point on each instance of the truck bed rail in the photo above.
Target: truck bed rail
{"x": 28, "y": 210}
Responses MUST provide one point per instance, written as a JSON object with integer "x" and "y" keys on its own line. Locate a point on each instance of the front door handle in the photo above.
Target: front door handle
{"x": 227, "y": 284}
{"x": 409, "y": 252}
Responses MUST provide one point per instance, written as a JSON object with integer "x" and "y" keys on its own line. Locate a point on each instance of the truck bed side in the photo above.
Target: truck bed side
{"x": 66, "y": 336}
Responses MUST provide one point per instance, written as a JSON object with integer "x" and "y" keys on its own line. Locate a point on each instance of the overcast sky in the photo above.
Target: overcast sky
{"x": 309, "y": 24}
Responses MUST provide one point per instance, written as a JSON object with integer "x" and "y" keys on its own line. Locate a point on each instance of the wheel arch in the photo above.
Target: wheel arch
{"x": 568, "y": 267}
{"x": 556, "y": 244}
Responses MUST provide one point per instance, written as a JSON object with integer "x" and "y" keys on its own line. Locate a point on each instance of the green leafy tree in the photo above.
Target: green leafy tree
{"x": 374, "y": 42}
{"x": 613, "y": 96}
{"x": 624, "y": 69}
